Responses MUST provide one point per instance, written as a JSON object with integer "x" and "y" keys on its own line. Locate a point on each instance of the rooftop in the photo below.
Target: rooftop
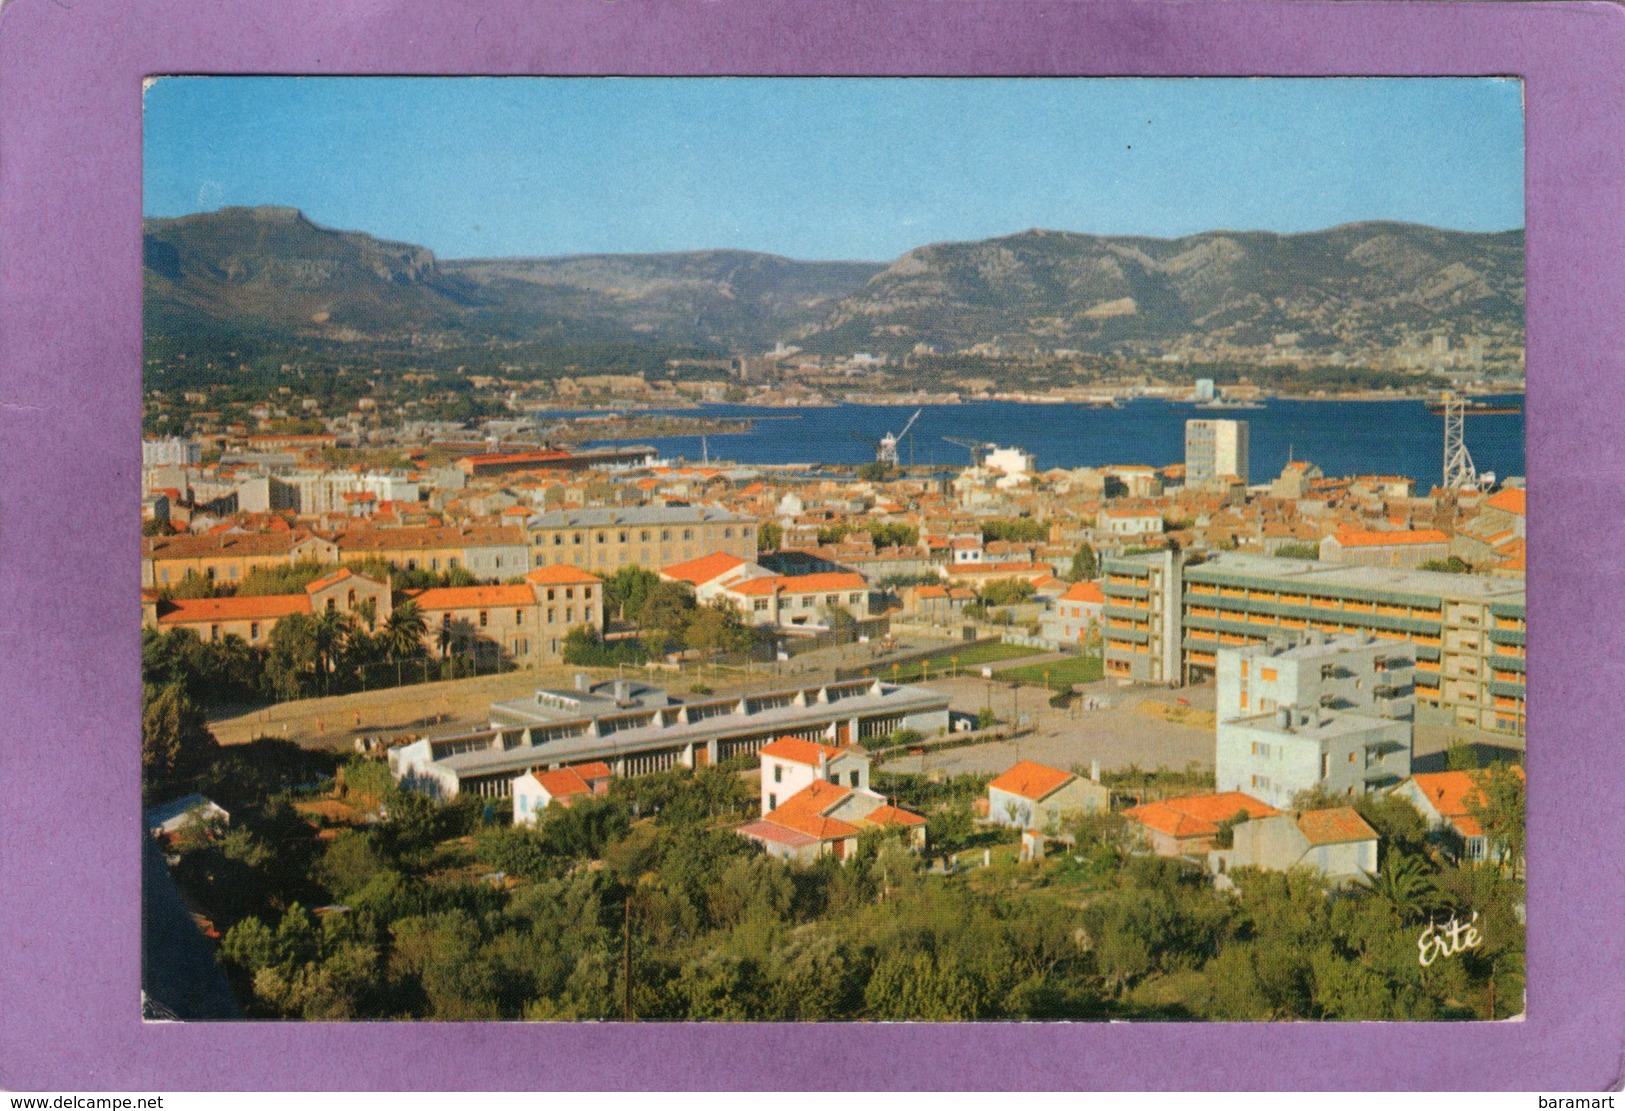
{"x": 645, "y": 515}
{"x": 1032, "y": 781}
{"x": 1308, "y": 574}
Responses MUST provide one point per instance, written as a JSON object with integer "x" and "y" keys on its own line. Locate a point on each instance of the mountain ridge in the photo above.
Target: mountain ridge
{"x": 274, "y": 272}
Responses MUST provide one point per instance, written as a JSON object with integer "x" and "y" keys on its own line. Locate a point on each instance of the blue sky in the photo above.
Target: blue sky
{"x": 832, "y": 168}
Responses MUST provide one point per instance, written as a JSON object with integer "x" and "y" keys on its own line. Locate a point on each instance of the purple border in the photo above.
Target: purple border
{"x": 70, "y": 79}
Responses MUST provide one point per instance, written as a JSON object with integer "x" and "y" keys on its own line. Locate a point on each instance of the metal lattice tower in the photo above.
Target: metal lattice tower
{"x": 1459, "y": 472}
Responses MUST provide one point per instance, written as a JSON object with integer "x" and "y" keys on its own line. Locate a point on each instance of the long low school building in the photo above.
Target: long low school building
{"x": 638, "y": 729}
{"x": 1165, "y": 622}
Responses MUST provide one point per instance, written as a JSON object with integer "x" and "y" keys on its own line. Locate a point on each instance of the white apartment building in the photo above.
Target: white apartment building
{"x": 1213, "y": 449}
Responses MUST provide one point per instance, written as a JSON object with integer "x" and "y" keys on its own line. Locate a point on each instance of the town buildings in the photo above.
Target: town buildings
{"x": 252, "y": 617}
{"x": 1166, "y": 621}
{"x": 1033, "y": 796}
{"x": 605, "y": 540}
{"x": 535, "y": 791}
{"x": 638, "y": 728}
{"x": 1215, "y": 449}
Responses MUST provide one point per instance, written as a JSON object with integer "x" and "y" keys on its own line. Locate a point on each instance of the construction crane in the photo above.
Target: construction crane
{"x": 886, "y": 449}
{"x": 977, "y": 448}
{"x": 1459, "y": 472}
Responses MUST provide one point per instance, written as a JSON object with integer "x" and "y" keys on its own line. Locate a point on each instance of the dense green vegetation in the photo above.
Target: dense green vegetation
{"x": 417, "y": 922}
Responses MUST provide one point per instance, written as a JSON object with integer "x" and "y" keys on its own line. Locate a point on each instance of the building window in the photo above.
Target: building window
{"x": 332, "y": 604}
{"x": 485, "y": 616}
{"x": 665, "y": 534}
{"x": 558, "y": 539}
{"x": 1325, "y": 765}
{"x": 643, "y": 535}
{"x": 586, "y": 592}
{"x": 624, "y": 535}
{"x": 728, "y": 534}
{"x": 575, "y": 538}
{"x": 569, "y": 613}
{"x": 855, "y": 599}
{"x": 778, "y": 773}
{"x": 569, "y": 592}
{"x": 518, "y": 617}
{"x": 688, "y": 534}
{"x": 550, "y": 594}
{"x": 1267, "y": 674}
{"x": 552, "y": 615}
{"x": 602, "y": 537}
{"x": 434, "y": 565}
{"x": 772, "y": 802}
{"x": 452, "y": 562}
{"x": 253, "y": 630}
{"x": 851, "y": 779}
{"x": 539, "y": 562}
{"x": 214, "y": 632}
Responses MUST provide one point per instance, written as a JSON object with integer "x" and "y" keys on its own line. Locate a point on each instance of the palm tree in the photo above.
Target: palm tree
{"x": 329, "y": 632}
{"x": 403, "y": 631}
{"x": 1407, "y": 885}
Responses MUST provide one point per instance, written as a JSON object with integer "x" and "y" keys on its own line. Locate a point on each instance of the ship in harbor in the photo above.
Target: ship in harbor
{"x": 1475, "y": 408}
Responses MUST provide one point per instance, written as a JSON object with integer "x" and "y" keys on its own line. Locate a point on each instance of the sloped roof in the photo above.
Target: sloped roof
{"x": 260, "y": 607}
{"x": 1510, "y": 500}
{"x": 1334, "y": 827}
{"x": 706, "y": 569}
{"x": 800, "y": 584}
{"x": 889, "y": 815}
{"x": 1032, "y": 781}
{"x": 800, "y": 752}
{"x": 804, "y": 812}
{"x": 472, "y": 597}
{"x": 1363, "y": 538}
{"x": 1084, "y": 592}
{"x": 1197, "y": 815}
{"x": 560, "y": 574}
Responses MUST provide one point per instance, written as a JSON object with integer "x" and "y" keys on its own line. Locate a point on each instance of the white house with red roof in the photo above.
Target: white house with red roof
{"x": 1446, "y": 800}
{"x": 1033, "y": 796}
{"x": 826, "y": 818}
{"x": 536, "y": 790}
{"x": 1077, "y": 611}
{"x": 790, "y": 764}
{"x": 1187, "y": 825}
{"x": 798, "y": 599}
{"x": 1336, "y": 843}
{"x": 710, "y": 574}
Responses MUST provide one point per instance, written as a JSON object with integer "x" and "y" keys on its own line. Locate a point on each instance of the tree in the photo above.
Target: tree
{"x": 175, "y": 740}
{"x": 1007, "y": 592}
{"x": 627, "y": 589}
{"x": 664, "y": 614}
{"x": 290, "y": 663}
{"x": 329, "y": 633}
{"x": 874, "y": 471}
{"x": 715, "y": 628}
{"x": 1455, "y": 565}
{"x": 1500, "y": 808}
{"x": 404, "y": 629}
{"x": 840, "y": 619}
{"x": 769, "y": 536}
{"x": 1084, "y": 564}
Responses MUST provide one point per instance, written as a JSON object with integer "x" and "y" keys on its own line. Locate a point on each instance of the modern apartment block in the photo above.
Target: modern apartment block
{"x": 1213, "y": 449}
{"x": 1313, "y": 711}
{"x": 1165, "y": 623}
{"x": 605, "y": 540}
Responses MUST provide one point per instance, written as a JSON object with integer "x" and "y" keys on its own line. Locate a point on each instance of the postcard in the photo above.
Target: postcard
{"x": 1035, "y": 561}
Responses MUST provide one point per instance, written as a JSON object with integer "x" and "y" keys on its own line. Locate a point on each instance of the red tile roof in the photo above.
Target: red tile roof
{"x": 1032, "y": 781}
{"x": 799, "y": 584}
{"x": 560, "y": 574}
{"x": 1510, "y": 500}
{"x": 698, "y": 572}
{"x": 261, "y": 607}
{"x": 800, "y": 752}
{"x": 889, "y": 815}
{"x": 562, "y": 783}
{"x": 804, "y": 812}
{"x": 330, "y": 579}
{"x": 472, "y": 597}
{"x": 1335, "y": 827}
{"x": 1084, "y": 592}
{"x": 1197, "y": 815}
{"x": 1359, "y": 538}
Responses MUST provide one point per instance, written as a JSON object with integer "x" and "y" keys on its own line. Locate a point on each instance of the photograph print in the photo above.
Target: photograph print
{"x": 833, "y": 549}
